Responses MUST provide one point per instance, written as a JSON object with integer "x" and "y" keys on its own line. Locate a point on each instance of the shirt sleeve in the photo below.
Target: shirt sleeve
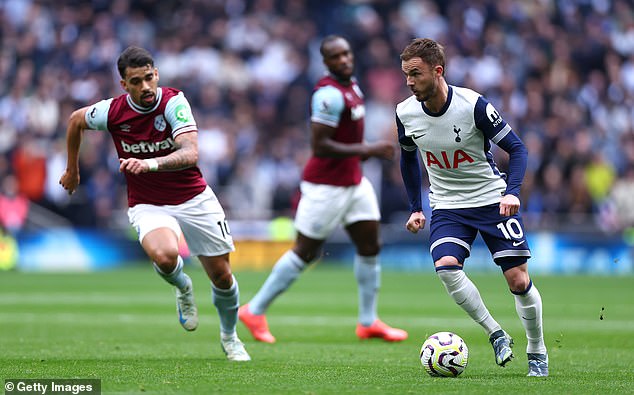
{"x": 406, "y": 142}
{"x": 178, "y": 114}
{"x": 327, "y": 104}
{"x": 97, "y": 115}
{"x": 489, "y": 121}
{"x": 410, "y": 168}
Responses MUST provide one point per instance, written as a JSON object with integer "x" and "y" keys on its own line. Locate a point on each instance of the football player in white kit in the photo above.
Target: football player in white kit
{"x": 452, "y": 128}
{"x": 155, "y": 135}
{"x": 334, "y": 191}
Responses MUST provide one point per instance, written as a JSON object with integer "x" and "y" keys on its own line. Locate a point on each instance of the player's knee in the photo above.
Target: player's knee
{"x": 222, "y": 280}
{"x": 518, "y": 280}
{"x": 519, "y": 286}
{"x": 165, "y": 258}
{"x": 369, "y": 249}
{"x": 306, "y": 255}
{"x": 450, "y": 262}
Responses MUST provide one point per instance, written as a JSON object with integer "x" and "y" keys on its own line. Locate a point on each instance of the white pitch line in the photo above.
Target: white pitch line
{"x": 98, "y": 318}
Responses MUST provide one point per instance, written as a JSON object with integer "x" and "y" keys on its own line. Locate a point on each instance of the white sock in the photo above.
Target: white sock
{"x": 284, "y": 273}
{"x": 177, "y": 277}
{"x": 529, "y": 308}
{"x": 227, "y": 302}
{"x": 367, "y": 271}
{"x": 467, "y": 296}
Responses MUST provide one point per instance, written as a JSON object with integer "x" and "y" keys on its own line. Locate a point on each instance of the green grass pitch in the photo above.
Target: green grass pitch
{"x": 121, "y": 327}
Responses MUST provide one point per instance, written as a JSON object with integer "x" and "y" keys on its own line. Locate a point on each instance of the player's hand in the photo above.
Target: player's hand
{"x": 415, "y": 222}
{"x": 69, "y": 181}
{"x": 133, "y": 166}
{"x": 380, "y": 149}
{"x": 509, "y": 205}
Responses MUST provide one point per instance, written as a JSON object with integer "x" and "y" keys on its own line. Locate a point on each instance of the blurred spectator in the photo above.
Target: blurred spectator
{"x": 45, "y": 120}
{"x": 600, "y": 176}
{"x": 14, "y": 207}
{"x": 29, "y": 164}
{"x": 622, "y": 201}
{"x": 8, "y": 250}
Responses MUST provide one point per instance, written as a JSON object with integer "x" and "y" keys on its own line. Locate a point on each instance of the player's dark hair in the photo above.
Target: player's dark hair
{"x": 133, "y": 57}
{"x": 328, "y": 39}
{"x": 428, "y": 50}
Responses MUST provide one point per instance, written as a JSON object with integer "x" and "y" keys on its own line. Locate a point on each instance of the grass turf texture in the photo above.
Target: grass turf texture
{"x": 121, "y": 327}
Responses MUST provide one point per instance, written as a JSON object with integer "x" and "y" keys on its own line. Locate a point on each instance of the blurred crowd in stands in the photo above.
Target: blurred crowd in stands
{"x": 561, "y": 72}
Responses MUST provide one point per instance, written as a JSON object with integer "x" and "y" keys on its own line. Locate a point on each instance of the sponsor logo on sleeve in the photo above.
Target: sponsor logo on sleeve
{"x": 493, "y": 115}
{"x": 183, "y": 114}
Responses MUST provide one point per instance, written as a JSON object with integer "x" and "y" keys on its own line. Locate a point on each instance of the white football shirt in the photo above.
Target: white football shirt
{"x": 455, "y": 147}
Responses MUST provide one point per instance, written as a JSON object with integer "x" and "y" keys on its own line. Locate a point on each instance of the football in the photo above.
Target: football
{"x": 444, "y": 354}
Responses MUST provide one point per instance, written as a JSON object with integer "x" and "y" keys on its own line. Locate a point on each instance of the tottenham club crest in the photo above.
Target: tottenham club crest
{"x": 159, "y": 123}
{"x": 457, "y": 131}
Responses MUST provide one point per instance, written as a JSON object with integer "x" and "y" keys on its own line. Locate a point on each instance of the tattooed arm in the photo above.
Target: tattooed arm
{"x": 185, "y": 155}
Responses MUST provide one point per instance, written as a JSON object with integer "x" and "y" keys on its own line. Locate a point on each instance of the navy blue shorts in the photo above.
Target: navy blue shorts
{"x": 452, "y": 232}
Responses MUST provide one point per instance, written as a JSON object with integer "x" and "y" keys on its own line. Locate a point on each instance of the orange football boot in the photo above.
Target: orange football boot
{"x": 256, "y": 324}
{"x": 381, "y": 330}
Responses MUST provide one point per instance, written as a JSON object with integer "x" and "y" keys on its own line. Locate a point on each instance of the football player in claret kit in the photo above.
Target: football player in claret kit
{"x": 155, "y": 135}
{"x": 452, "y": 128}
{"x": 334, "y": 192}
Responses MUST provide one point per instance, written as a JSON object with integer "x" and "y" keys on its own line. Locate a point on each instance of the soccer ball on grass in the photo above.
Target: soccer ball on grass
{"x": 444, "y": 354}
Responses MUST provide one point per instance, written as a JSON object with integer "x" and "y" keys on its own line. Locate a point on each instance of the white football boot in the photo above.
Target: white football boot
{"x": 186, "y": 308}
{"x": 234, "y": 349}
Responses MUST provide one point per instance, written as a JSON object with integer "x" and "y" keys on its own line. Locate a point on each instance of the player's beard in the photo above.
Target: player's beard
{"x": 344, "y": 74}
{"x": 426, "y": 94}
